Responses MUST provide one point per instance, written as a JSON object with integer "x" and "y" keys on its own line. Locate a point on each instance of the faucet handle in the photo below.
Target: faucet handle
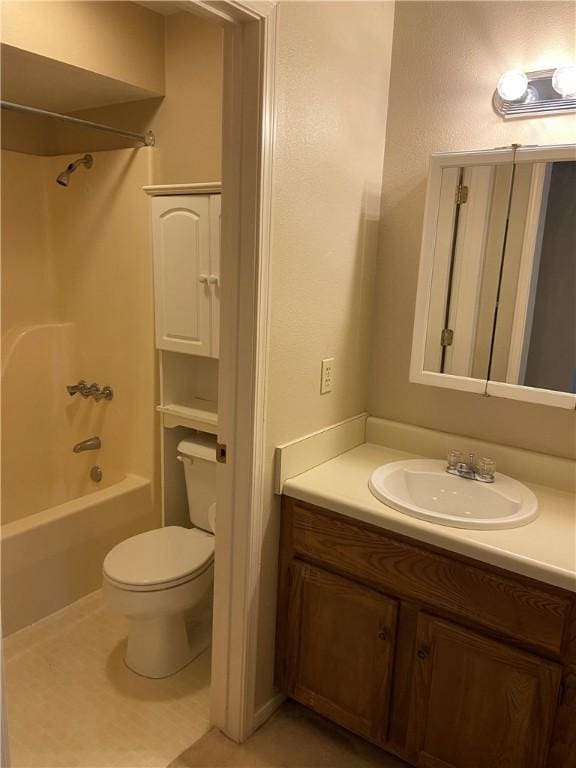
{"x": 90, "y": 391}
{"x": 455, "y": 457}
{"x": 72, "y": 389}
{"x": 485, "y": 469}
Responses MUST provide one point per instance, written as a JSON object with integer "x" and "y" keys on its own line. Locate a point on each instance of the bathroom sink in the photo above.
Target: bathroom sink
{"x": 422, "y": 488}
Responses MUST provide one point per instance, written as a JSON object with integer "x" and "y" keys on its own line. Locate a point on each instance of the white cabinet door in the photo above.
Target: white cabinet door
{"x": 183, "y": 293}
{"x": 215, "y": 272}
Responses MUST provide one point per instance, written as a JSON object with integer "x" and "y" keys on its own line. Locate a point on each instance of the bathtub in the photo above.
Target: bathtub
{"x": 53, "y": 557}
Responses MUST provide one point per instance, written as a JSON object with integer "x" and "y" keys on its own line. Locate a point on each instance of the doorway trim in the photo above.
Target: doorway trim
{"x": 247, "y": 161}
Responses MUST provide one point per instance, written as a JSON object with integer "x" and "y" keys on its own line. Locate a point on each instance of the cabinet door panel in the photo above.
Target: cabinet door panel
{"x": 340, "y": 648}
{"x": 477, "y": 703}
{"x": 215, "y": 229}
{"x": 181, "y": 271}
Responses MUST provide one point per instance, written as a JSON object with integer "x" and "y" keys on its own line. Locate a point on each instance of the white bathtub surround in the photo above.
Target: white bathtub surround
{"x": 544, "y": 550}
{"x": 55, "y": 557}
{"x": 34, "y": 353}
{"x": 73, "y": 702}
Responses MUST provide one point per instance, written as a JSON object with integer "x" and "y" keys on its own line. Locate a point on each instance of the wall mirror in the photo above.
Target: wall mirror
{"x": 496, "y": 303}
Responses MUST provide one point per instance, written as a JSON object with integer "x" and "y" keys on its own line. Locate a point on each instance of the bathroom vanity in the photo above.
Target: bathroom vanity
{"x": 448, "y": 648}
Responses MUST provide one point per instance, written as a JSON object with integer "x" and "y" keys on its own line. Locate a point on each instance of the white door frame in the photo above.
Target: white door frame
{"x": 248, "y": 140}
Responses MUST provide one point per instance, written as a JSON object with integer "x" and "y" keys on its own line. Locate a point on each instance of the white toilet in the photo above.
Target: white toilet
{"x": 161, "y": 580}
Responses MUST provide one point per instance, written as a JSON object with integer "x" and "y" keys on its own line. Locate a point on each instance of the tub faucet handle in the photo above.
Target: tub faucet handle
{"x": 72, "y": 389}
{"x": 90, "y": 391}
{"x": 106, "y": 393}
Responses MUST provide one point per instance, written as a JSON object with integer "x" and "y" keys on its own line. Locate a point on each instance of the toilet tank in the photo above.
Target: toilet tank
{"x": 198, "y": 456}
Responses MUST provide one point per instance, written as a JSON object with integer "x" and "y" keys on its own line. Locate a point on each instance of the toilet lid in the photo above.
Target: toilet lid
{"x": 160, "y": 556}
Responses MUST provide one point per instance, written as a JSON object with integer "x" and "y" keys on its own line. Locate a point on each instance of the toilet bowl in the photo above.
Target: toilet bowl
{"x": 161, "y": 580}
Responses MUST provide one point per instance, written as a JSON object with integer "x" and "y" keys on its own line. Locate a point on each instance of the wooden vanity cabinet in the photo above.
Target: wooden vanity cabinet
{"x": 343, "y": 671}
{"x": 442, "y": 660}
{"x": 472, "y": 696}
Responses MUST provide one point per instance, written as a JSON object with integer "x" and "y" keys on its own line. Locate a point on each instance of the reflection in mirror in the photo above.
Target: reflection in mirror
{"x": 469, "y": 243}
{"x": 535, "y": 328}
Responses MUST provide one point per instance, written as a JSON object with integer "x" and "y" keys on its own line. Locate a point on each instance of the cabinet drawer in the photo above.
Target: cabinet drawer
{"x": 485, "y": 598}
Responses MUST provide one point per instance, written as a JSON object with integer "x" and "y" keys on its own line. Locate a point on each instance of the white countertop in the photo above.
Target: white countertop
{"x": 544, "y": 549}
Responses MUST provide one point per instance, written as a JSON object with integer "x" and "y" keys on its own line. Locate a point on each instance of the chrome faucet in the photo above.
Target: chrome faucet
{"x": 457, "y": 465}
{"x": 481, "y": 469}
{"x": 105, "y": 393}
{"x": 90, "y": 390}
{"x": 79, "y": 388}
{"x": 92, "y": 444}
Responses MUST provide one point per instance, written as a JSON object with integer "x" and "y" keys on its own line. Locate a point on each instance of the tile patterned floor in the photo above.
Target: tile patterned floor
{"x": 293, "y": 737}
{"x": 73, "y": 703}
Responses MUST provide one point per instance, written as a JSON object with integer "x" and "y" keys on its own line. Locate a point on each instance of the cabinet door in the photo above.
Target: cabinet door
{"x": 340, "y": 649}
{"x": 181, "y": 229}
{"x": 215, "y": 228}
{"x": 477, "y": 703}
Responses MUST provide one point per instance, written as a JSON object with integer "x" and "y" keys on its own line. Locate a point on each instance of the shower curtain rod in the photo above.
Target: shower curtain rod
{"x": 147, "y": 139}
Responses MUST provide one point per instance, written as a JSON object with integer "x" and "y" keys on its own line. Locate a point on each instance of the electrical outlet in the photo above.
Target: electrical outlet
{"x": 327, "y": 376}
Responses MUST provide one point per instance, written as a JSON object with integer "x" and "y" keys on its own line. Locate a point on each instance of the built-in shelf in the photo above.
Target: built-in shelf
{"x": 54, "y": 85}
{"x": 199, "y": 414}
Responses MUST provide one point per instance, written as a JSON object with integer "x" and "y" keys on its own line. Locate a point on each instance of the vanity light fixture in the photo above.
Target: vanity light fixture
{"x": 512, "y": 85}
{"x": 534, "y": 94}
{"x": 564, "y": 81}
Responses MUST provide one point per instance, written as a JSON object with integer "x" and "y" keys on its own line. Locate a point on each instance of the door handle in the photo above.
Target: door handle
{"x": 214, "y": 280}
{"x": 203, "y": 279}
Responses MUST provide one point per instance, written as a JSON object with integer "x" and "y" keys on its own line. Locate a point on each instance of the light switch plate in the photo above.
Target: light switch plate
{"x": 327, "y": 376}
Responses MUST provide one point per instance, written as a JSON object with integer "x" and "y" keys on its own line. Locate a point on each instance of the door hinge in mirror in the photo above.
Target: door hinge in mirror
{"x": 461, "y": 194}
{"x": 221, "y": 449}
{"x": 447, "y": 337}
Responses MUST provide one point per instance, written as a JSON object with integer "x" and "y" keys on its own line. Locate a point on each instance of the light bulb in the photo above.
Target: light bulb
{"x": 564, "y": 81}
{"x": 512, "y": 85}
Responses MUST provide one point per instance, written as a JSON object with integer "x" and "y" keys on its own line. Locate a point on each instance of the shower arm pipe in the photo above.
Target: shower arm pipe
{"x": 148, "y": 139}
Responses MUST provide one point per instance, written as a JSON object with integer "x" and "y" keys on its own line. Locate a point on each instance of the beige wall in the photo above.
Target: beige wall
{"x": 78, "y": 259}
{"x": 446, "y": 60}
{"x": 120, "y": 40}
{"x": 188, "y": 124}
{"x": 333, "y": 71}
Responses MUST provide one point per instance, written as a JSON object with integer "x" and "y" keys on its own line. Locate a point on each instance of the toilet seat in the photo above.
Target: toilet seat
{"x": 159, "y": 559}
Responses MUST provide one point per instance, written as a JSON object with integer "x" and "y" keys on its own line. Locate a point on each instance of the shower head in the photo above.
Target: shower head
{"x": 64, "y": 178}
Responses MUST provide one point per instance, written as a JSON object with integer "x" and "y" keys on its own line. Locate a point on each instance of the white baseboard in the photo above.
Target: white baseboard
{"x": 268, "y": 709}
{"x": 307, "y": 452}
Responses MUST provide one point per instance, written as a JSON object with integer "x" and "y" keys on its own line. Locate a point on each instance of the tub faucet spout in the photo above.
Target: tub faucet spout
{"x": 92, "y": 444}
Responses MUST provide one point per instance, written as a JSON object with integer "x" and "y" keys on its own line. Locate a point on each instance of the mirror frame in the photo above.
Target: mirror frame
{"x": 418, "y": 375}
